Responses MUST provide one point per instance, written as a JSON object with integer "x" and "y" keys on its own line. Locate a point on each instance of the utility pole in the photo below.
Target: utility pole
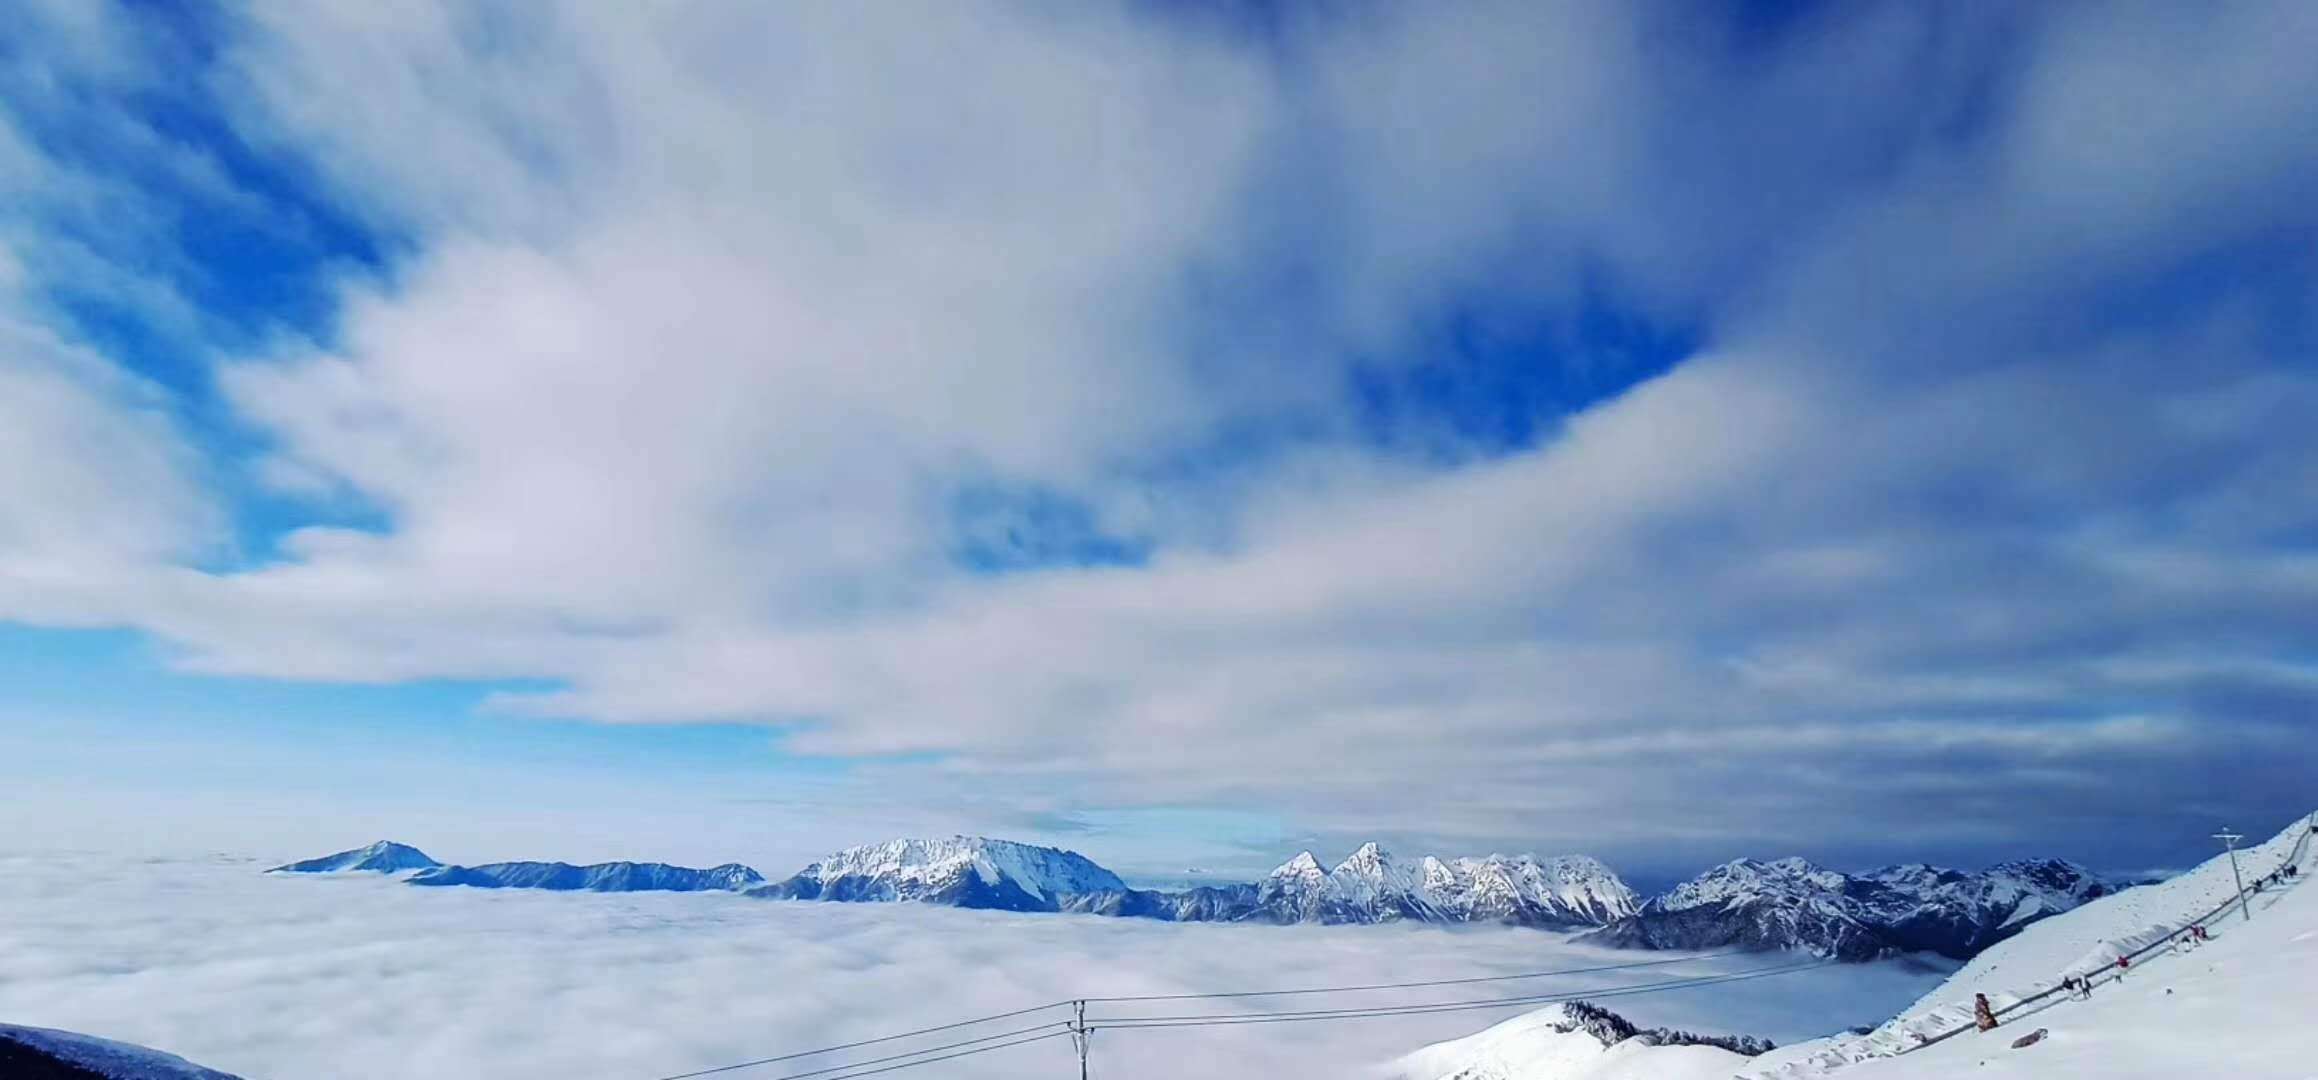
{"x": 2230, "y": 840}
{"x": 1078, "y": 1034}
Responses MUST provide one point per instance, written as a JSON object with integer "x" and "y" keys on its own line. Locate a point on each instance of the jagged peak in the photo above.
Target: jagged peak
{"x": 1037, "y": 869}
{"x": 1368, "y": 858}
{"x": 1303, "y": 864}
{"x": 383, "y": 855}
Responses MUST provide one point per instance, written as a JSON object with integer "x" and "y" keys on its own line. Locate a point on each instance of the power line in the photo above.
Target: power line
{"x": 1365, "y": 1012}
{"x": 1059, "y": 1028}
{"x": 838, "y": 1072}
{"x": 2293, "y": 858}
{"x": 1123, "y": 999}
{"x": 932, "y": 1060}
{"x": 869, "y": 1042}
{"x": 1413, "y": 985}
{"x": 1080, "y": 1026}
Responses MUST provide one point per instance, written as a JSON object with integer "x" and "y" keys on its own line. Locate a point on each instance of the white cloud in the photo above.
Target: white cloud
{"x": 274, "y": 977}
{"x": 97, "y": 484}
{"x": 706, "y": 315}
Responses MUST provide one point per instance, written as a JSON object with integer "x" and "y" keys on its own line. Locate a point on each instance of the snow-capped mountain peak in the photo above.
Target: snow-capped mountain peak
{"x": 1305, "y": 866}
{"x": 1367, "y": 858}
{"x": 1794, "y": 903}
{"x": 1370, "y": 885}
{"x": 385, "y": 857}
{"x": 967, "y": 870}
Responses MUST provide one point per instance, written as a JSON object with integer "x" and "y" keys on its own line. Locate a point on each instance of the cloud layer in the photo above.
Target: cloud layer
{"x": 698, "y": 328}
{"x": 364, "y": 977}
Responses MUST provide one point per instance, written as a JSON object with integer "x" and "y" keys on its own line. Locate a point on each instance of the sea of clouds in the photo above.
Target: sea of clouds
{"x": 358, "y": 976}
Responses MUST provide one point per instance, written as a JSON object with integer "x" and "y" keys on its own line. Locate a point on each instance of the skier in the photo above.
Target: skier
{"x": 2122, "y": 965}
{"x": 2198, "y": 932}
{"x": 1983, "y": 1016}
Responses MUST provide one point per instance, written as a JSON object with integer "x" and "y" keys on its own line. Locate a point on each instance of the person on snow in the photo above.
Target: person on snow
{"x": 1983, "y": 1016}
{"x": 2197, "y": 932}
{"x": 2123, "y": 964}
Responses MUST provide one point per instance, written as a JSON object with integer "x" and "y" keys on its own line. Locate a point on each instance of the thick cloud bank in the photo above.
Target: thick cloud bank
{"x": 361, "y": 977}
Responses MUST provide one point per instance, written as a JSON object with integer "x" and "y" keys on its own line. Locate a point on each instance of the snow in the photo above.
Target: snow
{"x": 1548, "y": 1045}
{"x": 1794, "y": 904}
{"x": 1370, "y": 885}
{"x": 913, "y": 866}
{"x": 2089, "y": 940}
{"x": 385, "y": 856}
{"x": 2237, "y": 1006}
{"x": 115, "y": 1060}
{"x": 595, "y": 877}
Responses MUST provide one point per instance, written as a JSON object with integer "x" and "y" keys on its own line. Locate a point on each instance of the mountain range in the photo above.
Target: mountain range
{"x": 388, "y": 857}
{"x": 1786, "y": 904}
{"x": 1793, "y": 904}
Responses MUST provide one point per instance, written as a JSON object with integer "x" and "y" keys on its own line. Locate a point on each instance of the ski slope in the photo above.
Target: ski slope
{"x": 2234, "y": 1006}
{"x": 1554, "y": 1044}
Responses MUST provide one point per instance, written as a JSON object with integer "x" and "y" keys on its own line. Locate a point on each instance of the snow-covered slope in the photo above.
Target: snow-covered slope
{"x": 1959, "y": 914}
{"x": 1204, "y": 903}
{"x": 2129, "y": 1027}
{"x": 385, "y": 856}
{"x": 1793, "y": 904}
{"x": 962, "y": 871}
{"x": 30, "y": 1053}
{"x": 596, "y": 877}
{"x": 1576, "y": 1041}
{"x": 1371, "y": 886}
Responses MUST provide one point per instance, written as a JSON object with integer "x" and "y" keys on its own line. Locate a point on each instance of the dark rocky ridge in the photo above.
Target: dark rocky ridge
{"x": 1791, "y": 904}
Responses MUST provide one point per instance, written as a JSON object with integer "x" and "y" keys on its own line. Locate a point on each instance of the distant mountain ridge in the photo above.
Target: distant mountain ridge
{"x": 1794, "y": 904}
{"x": 1367, "y": 887}
{"x": 1783, "y": 904}
{"x": 595, "y": 877}
{"x": 388, "y": 857}
{"x": 385, "y": 856}
{"x": 960, "y": 871}
{"x": 1370, "y": 886}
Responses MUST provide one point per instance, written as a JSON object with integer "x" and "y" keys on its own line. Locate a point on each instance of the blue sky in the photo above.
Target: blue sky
{"x": 1671, "y": 431}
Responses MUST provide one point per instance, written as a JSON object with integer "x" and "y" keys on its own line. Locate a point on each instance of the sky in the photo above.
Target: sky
{"x": 1187, "y": 432}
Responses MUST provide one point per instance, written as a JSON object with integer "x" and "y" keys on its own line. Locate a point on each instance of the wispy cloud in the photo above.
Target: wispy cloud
{"x": 699, "y": 323}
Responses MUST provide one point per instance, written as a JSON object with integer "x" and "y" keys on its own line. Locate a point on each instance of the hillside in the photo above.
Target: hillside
{"x": 32, "y": 1053}
{"x": 2236, "y": 1006}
